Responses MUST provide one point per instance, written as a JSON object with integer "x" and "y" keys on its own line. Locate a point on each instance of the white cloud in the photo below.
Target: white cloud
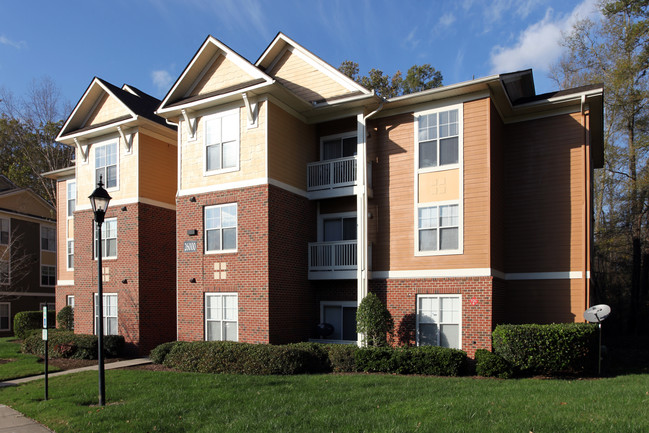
{"x": 538, "y": 45}
{"x": 17, "y": 45}
{"x": 162, "y": 80}
{"x": 239, "y": 15}
{"x": 446, "y": 20}
{"x": 411, "y": 42}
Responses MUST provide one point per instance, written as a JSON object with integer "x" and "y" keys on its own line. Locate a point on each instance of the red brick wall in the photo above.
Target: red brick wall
{"x": 246, "y": 270}
{"x": 401, "y": 298}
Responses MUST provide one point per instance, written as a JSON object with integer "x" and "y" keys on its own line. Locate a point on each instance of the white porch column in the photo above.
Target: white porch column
{"x": 361, "y": 212}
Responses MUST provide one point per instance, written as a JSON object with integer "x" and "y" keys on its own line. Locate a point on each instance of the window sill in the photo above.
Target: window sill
{"x": 438, "y": 168}
{"x": 222, "y": 171}
{"x": 222, "y": 252}
{"x": 439, "y": 253}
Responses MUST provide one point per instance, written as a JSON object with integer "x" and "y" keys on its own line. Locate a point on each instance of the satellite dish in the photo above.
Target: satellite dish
{"x": 597, "y": 313}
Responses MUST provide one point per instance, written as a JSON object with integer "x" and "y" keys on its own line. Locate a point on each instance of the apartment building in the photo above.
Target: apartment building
{"x": 120, "y": 141}
{"x": 27, "y": 253}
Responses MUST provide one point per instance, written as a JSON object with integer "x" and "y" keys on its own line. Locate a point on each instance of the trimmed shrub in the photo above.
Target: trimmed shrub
{"x": 374, "y": 321}
{"x": 342, "y": 357}
{"x": 65, "y": 318}
{"x": 490, "y": 364}
{"x": 563, "y": 348}
{"x": 159, "y": 353}
{"x": 26, "y": 321}
{"x": 317, "y": 356}
{"x": 66, "y": 344}
{"x": 429, "y": 360}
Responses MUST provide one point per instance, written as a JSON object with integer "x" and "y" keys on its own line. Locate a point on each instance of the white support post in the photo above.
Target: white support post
{"x": 361, "y": 213}
{"x": 127, "y": 138}
{"x": 252, "y": 107}
{"x": 191, "y": 122}
{"x": 80, "y": 146}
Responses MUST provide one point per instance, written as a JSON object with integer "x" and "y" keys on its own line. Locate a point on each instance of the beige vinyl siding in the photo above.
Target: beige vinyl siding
{"x": 25, "y": 203}
{"x": 391, "y": 143}
{"x": 544, "y": 195}
{"x": 158, "y": 169}
{"x": 304, "y": 80}
{"x": 221, "y": 74}
{"x": 108, "y": 108}
{"x": 252, "y": 153}
{"x": 292, "y": 145}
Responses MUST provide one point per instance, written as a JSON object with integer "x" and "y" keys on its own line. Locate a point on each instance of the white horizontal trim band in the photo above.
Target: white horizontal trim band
{"x": 26, "y": 294}
{"x": 65, "y": 283}
{"x": 223, "y": 186}
{"x": 568, "y": 275}
{"x": 478, "y": 272}
{"x": 126, "y": 201}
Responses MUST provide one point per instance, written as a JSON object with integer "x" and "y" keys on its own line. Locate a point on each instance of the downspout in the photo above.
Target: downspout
{"x": 586, "y": 218}
{"x": 361, "y": 210}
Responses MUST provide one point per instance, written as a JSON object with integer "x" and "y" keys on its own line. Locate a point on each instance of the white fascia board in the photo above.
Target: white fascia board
{"x": 97, "y": 131}
{"x": 484, "y": 80}
{"x": 559, "y": 99}
{"x": 76, "y": 108}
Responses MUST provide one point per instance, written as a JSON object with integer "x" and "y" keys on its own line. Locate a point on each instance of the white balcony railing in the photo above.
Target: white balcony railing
{"x": 332, "y": 173}
{"x": 332, "y": 256}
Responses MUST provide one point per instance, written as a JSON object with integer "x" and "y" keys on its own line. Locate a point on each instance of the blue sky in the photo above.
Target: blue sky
{"x": 147, "y": 43}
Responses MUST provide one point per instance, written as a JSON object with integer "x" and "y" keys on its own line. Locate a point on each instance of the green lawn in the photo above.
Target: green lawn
{"x": 14, "y": 364}
{"x": 147, "y": 401}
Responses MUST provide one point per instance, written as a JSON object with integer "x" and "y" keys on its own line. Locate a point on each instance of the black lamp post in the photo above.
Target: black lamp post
{"x": 99, "y": 200}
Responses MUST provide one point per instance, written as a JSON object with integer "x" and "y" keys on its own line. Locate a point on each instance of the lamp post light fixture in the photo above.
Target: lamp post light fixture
{"x": 99, "y": 200}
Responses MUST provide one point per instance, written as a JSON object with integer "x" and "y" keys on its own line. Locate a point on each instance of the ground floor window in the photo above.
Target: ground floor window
{"x": 5, "y": 316}
{"x": 50, "y": 306}
{"x": 342, "y": 316}
{"x": 48, "y": 275}
{"x": 221, "y": 317}
{"x": 69, "y": 301}
{"x": 439, "y": 320}
{"x": 109, "y": 313}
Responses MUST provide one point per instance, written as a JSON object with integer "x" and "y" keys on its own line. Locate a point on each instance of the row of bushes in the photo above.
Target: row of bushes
{"x": 67, "y": 344}
{"x": 27, "y": 321}
{"x": 300, "y": 358}
{"x": 556, "y": 349}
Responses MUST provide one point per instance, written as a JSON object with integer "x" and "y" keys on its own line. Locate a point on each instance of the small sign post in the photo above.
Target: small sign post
{"x": 46, "y": 348}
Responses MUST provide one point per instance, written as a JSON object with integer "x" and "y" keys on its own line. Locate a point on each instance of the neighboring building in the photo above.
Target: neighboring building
{"x": 296, "y": 191}
{"x": 27, "y": 253}
{"x": 119, "y": 139}
{"x": 299, "y": 190}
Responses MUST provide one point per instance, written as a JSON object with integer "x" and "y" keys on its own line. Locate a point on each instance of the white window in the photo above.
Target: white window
{"x": 48, "y": 238}
{"x": 4, "y": 272}
{"x": 222, "y": 142}
{"x": 438, "y": 138}
{"x": 72, "y": 197}
{"x": 221, "y": 317}
{"x": 4, "y": 231}
{"x": 221, "y": 228}
{"x": 108, "y": 239}
{"x": 110, "y": 313}
{"x": 70, "y": 254}
{"x": 69, "y": 301}
{"x": 439, "y": 320}
{"x": 5, "y": 316}
{"x": 342, "y": 316}
{"x": 438, "y": 228}
{"x": 48, "y": 275}
{"x": 106, "y": 164}
{"x": 339, "y": 146}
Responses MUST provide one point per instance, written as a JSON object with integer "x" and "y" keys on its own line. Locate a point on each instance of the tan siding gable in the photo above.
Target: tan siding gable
{"x": 305, "y": 80}
{"x": 108, "y": 108}
{"x": 24, "y": 202}
{"x": 222, "y": 73}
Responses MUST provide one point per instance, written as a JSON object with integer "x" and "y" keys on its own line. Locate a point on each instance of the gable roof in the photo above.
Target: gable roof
{"x": 183, "y": 93}
{"x": 134, "y": 103}
{"x": 23, "y": 201}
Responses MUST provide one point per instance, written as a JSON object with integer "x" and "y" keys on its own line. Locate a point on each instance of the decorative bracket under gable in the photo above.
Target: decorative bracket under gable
{"x": 127, "y": 138}
{"x": 253, "y": 111}
{"x": 80, "y": 148}
{"x": 191, "y": 121}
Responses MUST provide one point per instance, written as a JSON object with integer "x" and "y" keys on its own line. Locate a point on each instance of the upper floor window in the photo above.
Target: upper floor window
{"x": 4, "y": 231}
{"x": 108, "y": 239}
{"x": 48, "y": 238}
{"x": 339, "y": 146}
{"x": 106, "y": 164}
{"x": 48, "y": 275}
{"x": 438, "y": 227}
{"x": 222, "y": 141}
{"x": 70, "y": 254}
{"x": 221, "y": 228}
{"x": 438, "y": 138}
{"x": 72, "y": 197}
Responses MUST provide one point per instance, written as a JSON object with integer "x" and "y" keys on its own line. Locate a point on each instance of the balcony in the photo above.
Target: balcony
{"x": 335, "y": 260}
{"x": 333, "y": 178}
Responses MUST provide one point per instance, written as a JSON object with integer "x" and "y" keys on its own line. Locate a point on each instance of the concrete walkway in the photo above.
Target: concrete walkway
{"x": 12, "y": 421}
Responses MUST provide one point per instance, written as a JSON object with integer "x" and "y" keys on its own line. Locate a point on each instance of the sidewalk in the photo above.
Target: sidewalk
{"x": 12, "y": 421}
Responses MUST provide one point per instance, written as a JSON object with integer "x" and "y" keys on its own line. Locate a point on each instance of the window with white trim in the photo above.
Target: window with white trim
{"x": 221, "y": 228}
{"x": 106, "y": 163}
{"x": 108, "y": 239}
{"x": 69, "y": 301}
{"x": 109, "y": 313}
{"x": 438, "y": 228}
{"x": 342, "y": 316}
{"x": 48, "y": 275}
{"x": 221, "y": 136}
{"x": 4, "y": 272}
{"x": 438, "y": 138}
{"x": 4, "y": 231}
{"x": 339, "y": 146}
{"x": 5, "y": 316}
{"x": 48, "y": 238}
{"x": 70, "y": 254}
{"x": 439, "y": 320}
{"x": 221, "y": 317}
{"x": 72, "y": 197}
